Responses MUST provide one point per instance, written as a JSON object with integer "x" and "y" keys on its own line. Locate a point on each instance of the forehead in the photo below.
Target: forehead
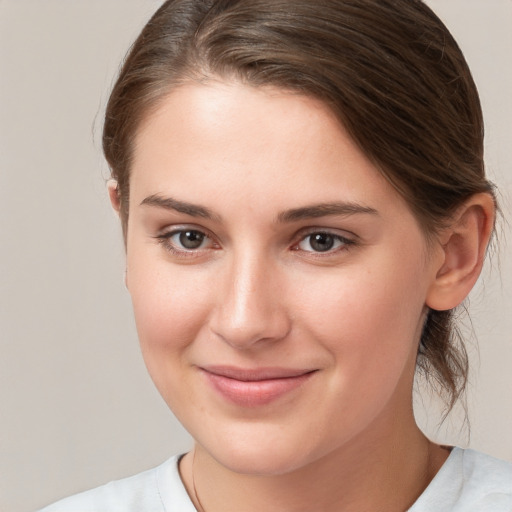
{"x": 253, "y": 148}
{"x": 231, "y": 111}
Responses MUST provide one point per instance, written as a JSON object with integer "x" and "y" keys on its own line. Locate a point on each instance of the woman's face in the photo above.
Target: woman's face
{"x": 279, "y": 282}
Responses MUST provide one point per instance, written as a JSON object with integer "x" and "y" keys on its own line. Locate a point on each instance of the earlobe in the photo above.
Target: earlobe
{"x": 463, "y": 246}
{"x": 113, "y": 192}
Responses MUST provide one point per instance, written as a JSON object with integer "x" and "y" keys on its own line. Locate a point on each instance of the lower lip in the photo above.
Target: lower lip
{"x": 254, "y": 393}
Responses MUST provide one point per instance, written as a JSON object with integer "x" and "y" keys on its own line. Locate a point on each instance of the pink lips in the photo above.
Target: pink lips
{"x": 252, "y": 388}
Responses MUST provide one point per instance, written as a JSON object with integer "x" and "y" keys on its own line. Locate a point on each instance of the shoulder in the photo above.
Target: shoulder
{"x": 486, "y": 478}
{"x": 469, "y": 481}
{"x": 479, "y": 465}
{"x": 156, "y": 490}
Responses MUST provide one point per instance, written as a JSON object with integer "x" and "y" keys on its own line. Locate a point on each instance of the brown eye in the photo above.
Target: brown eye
{"x": 185, "y": 241}
{"x": 322, "y": 241}
{"x": 190, "y": 239}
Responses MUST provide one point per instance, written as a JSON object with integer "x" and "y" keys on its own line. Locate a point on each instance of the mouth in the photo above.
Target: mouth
{"x": 254, "y": 387}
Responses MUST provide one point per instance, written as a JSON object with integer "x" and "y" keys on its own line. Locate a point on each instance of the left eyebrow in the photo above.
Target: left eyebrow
{"x": 324, "y": 209}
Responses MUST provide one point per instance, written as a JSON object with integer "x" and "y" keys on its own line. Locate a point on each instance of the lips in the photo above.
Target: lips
{"x": 254, "y": 387}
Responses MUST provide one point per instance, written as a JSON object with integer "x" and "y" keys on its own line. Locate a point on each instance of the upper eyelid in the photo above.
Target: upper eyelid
{"x": 341, "y": 233}
{"x": 171, "y": 230}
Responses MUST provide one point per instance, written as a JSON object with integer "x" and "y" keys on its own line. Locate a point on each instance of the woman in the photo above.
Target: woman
{"x": 303, "y": 202}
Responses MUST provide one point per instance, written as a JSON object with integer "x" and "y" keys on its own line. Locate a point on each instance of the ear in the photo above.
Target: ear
{"x": 462, "y": 247}
{"x": 113, "y": 193}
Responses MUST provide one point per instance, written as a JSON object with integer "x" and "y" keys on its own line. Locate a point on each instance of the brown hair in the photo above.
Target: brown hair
{"x": 389, "y": 69}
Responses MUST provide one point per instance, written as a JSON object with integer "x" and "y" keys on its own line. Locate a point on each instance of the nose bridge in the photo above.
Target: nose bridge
{"x": 249, "y": 309}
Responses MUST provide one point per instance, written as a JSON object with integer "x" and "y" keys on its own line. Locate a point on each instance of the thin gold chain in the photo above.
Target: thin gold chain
{"x": 196, "y": 496}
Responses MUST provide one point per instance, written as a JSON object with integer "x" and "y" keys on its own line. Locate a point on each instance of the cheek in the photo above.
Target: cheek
{"x": 170, "y": 308}
{"x": 369, "y": 323}
{"x": 170, "y": 305}
{"x": 370, "y": 330}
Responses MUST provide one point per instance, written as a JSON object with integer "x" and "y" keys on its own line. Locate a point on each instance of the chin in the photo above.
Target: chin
{"x": 259, "y": 462}
{"x": 262, "y": 452}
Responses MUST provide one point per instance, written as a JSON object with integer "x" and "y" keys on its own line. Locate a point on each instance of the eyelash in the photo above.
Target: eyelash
{"x": 165, "y": 240}
{"x": 344, "y": 243}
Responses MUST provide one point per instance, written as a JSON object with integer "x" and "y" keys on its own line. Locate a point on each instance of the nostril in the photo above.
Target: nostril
{"x": 249, "y": 329}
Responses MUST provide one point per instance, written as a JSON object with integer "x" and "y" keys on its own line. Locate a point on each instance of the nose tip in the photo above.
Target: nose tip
{"x": 247, "y": 325}
{"x": 250, "y": 312}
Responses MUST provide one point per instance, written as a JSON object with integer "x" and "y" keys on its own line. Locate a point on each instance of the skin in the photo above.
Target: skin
{"x": 244, "y": 166}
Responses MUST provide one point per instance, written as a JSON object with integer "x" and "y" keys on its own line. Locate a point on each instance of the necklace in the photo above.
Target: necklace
{"x": 196, "y": 496}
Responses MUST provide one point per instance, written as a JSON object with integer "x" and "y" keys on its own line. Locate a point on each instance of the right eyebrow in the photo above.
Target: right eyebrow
{"x": 191, "y": 209}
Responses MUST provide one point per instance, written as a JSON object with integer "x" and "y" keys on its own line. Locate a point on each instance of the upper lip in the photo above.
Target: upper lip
{"x": 255, "y": 374}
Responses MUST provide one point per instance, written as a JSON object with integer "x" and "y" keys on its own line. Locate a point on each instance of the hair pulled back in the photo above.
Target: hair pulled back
{"x": 388, "y": 69}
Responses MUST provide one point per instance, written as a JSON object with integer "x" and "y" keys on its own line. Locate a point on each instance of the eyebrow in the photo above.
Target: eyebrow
{"x": 324, "y": 209}
{"x": 169, "y": 203}
{"x": 293, "y": 215}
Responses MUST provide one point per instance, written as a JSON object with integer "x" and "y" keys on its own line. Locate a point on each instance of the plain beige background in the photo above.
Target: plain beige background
{"x": 76, "y": 406}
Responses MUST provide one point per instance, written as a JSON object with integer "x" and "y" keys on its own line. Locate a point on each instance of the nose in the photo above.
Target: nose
{"x": 250, "y": 309}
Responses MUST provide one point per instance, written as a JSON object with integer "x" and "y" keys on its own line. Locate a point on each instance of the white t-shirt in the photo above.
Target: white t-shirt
{"x": 468, "y": 481}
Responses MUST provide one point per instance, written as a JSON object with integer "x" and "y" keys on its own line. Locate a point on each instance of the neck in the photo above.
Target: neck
{"x": 385, "y": 473}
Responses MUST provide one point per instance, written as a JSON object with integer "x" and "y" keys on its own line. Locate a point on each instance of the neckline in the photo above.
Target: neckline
{"x": 174, "y": 495}
{"x": 437, "y": 492}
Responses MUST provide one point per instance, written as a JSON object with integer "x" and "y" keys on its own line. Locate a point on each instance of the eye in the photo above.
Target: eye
{"x": 185, "y": 240}
{"x": 189, "y": 239}
{"x": 323, "y": 242}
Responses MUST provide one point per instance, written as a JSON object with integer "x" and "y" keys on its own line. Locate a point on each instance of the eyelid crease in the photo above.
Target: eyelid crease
{"x": 345, "y": 240}
{"x": 344, "y": 234}
{"x": 169, "y": 231}
{"x": 165, "y": 235}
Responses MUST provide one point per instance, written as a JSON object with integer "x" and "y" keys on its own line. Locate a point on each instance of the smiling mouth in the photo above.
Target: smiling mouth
{"x": 254, "y": 387}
